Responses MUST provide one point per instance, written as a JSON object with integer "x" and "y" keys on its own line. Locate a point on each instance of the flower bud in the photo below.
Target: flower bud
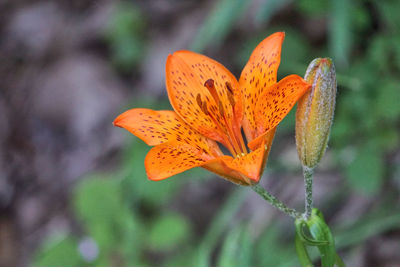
{"x": 315, "y": 110}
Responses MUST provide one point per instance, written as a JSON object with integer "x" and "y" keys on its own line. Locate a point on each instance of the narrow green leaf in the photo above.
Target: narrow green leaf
{"x": 340, "y": 31}
{"x": 320, "y": 231}
{"x": 218, "y": 225}
{"x": 236, "y": 249}
{"x": 367, "y": 226}
{"x": 302, "y": 253}
{"x": 218, "y": 24}
{"x": 268, "y": 9}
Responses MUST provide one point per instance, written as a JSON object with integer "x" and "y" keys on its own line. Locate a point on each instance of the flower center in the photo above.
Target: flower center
{"x": 233, "y": 140}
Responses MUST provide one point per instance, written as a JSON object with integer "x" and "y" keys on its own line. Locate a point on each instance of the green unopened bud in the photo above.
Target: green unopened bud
{"x": 315, "y": 110}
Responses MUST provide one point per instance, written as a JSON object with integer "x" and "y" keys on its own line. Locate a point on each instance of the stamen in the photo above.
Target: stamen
{"x": 202, "y": 105}
{"x": 221, "y": 109}
{"x": 198, "y": 99}
{"x": 231, "y": 100}
{"x": 209, "y": 84}
{"x": 204, "y": 108}
{"x": 237, "y": 135}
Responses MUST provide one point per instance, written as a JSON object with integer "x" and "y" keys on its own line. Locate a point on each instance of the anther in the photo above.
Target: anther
{"x": 198, "y": 99}
{"x": 209, "y": 84}
{"x": 204, "y": 108}
{"x": 221, "y": 108}
{"x": 202, "y": 105}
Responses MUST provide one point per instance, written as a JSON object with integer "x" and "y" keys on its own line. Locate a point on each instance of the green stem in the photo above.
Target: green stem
{"x": 308, "y": 184}
{"x": 275, "y": 202}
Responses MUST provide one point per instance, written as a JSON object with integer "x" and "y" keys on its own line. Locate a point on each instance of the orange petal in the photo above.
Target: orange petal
{"x": 172, "y": 158}
{"x": 219, "y": 167}
{"x": 264, "y": 140}
{"x": 168, "y": 159}
{"x": 259, "y": 74}
{"x": 157, "y": 127}
{"x": 251, "y": 164}
{"x": 276, "y": 102}
{"x": 186, "y": 74}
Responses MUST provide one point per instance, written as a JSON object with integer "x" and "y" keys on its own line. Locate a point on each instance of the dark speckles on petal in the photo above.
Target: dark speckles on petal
{"x": 157, "y": 127}
{"x": 259, "y": 74}
{"x": 200, "y": 92}
{"x": 277, "y": 101}
{"x": 171, "y": 158}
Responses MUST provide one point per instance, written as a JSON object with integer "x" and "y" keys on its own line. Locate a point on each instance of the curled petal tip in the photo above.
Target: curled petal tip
{"x": 281, "y": 33}
{"x": 117, "y": 121}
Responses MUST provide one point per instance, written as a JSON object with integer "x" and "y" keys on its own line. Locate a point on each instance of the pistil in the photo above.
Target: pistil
{"x": 238, "y": 135}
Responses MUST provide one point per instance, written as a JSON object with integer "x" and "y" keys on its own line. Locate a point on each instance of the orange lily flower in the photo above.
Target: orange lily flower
{"x": 212, "y": 107}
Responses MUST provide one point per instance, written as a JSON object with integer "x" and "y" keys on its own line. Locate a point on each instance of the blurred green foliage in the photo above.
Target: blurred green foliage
{"x": 125, "y": 36}
{"x": 218, "y": 24}
{"x": 178, "y": 231}
{"x": 130, "y": 219}
{"x": 58, "y": 251}
{"x": 111, "y": 209}
{"x": 367, "y": 113}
